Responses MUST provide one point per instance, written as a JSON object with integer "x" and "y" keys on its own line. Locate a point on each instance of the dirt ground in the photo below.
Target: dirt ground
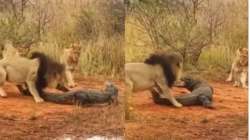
{"x": 228, "y": 121}
{"x": 21, "y": 118}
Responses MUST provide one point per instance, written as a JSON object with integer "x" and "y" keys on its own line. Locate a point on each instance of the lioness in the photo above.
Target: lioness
{"x": 70, "y": 60}
{"x": 239, "y": 69}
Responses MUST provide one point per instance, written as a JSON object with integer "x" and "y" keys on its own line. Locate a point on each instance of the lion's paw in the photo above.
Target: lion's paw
{"x": 39, "y": 100}
{"x": 246, "y": 87}
{"x": 236, "y": 84}
{"x": 72, "y": 85}
{"x": 3, "y": 94}
{"x": 178, "y": 105}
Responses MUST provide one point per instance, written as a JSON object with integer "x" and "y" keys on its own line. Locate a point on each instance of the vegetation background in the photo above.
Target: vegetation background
{"x": 96, "y": 26}
{"x": 206, "y": 33}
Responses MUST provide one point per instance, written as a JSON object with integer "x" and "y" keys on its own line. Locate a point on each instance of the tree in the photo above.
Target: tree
{"x": 184, "y": 26}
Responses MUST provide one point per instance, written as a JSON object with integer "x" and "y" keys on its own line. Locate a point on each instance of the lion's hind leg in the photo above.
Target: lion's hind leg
{"x": 3, "y": 76}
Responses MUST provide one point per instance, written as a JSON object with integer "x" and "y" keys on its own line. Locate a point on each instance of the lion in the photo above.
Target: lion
{"x": 239, "y": 69}
{"x": 18, "y": 70}
{"x": 70, "y": 59}
{"x": 38, "y": 72}
{"x": 33, "y": 74}
{"x": 159, "y": 71}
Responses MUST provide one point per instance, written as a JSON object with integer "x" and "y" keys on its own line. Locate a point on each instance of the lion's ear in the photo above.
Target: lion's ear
{"x": 238, "y": 52}
{"x": 240, "y": 49}
{"x": 179, "y": 64}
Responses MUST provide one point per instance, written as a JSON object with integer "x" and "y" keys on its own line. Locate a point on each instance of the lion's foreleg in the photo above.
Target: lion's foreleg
{"x": 32, "y": 87}
{"x": 236, "y": 78}
{"x": 243, "y": 79}
{"x": 3, "y": 76}
{"x": 69, "y": 78}
{"x": 168, "y": 95}
{"x": 230, "y": 77}
{"x": 34, "y": 92}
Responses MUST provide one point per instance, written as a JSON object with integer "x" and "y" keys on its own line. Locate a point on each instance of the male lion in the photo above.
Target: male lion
{"x": 69, "y": 58}
{"x": 239, "y": 69}
{"x": 36, "y": 72}
{"x": 159, "y": 71}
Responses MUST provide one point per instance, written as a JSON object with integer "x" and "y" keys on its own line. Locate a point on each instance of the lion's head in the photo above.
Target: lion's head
{"x": 171, "y": 63}
{"x": 72, "y": 55}
{"x": 242, "y": 56}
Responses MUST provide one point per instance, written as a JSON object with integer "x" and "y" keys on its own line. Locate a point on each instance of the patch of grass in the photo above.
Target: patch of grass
{"x": 75, "y": 116}
{"x": 220, "y": 56}
{"x": 104, "y": 57}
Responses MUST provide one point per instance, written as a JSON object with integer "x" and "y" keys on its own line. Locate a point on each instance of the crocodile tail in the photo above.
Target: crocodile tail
{"x": 60, "y": 98}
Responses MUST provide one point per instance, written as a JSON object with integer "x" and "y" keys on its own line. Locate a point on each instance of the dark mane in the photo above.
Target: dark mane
{"x": 47, "y": 67}
{"x": 165, "y": 61}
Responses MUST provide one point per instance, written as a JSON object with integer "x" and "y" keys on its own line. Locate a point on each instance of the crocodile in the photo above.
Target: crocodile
{"x": 201, "y": 93}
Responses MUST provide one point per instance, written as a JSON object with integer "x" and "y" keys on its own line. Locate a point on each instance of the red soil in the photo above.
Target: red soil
{"x": 22, "y": 118}
{"x": 228, "y": 121}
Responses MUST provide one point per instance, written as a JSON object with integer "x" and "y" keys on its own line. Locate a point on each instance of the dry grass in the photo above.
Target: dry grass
{"x": 210, "y": 57}
{"x": 104, "y": 57}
